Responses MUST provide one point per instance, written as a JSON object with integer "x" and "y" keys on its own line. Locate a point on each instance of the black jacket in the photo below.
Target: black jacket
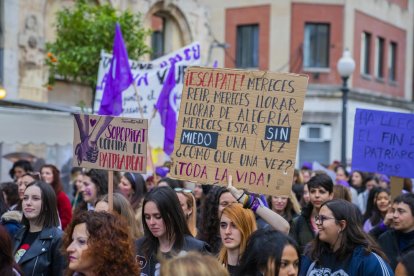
{"x": 43, "y": 257}
{"x": 390, "y": 246}
{"x": 149, "y": 265}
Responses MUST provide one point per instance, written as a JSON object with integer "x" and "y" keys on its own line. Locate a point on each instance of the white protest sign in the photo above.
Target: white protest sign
{"x": 149, "y": 78}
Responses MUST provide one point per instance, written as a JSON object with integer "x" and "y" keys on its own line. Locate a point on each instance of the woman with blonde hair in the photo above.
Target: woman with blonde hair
{"x": 236, "y": 226}
{"x": 122, "y": 207}
{"x": 188, "y": 204}
{"x": 191, "y": 264}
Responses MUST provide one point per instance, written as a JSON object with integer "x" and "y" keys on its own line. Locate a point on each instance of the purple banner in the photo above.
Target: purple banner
{"x": 384, "y": 143}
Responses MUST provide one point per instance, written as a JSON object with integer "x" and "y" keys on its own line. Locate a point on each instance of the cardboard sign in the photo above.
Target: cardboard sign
{"x": 110, "y": 143}
{"x": 149, "y": 77}
{"x": 384, "y": 143}
{"x": 240, "y": 123}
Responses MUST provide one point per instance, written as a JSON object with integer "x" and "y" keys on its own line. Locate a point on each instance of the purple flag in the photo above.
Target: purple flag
{"x": 166, "y": 110}
{"x": 118, "y": 78}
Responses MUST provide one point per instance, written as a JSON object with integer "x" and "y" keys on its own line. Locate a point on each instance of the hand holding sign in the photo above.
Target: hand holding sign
{"x": 240, "y": 123}
{"x": 236, "y": 193}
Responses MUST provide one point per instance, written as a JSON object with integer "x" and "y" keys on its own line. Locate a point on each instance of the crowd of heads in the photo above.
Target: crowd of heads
{"x": 155, "y": 221}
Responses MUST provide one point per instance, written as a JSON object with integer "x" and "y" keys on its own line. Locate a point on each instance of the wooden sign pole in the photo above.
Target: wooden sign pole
{"x": 110, "y": 191}
{"x": 396, "y": 184}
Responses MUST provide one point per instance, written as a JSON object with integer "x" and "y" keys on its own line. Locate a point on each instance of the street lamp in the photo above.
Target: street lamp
{"x": 345, "y": 66}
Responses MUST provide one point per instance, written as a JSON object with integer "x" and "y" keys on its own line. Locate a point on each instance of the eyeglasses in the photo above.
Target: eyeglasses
{"x": 319, "y": 219}
{"x": 183, "y": 190}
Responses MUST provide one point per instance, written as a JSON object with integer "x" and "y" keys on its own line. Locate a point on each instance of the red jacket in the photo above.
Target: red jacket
{"x": 64, "y": 209}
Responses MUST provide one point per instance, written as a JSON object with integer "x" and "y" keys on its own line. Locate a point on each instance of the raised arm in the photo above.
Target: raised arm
{"x": 272, "y": 218}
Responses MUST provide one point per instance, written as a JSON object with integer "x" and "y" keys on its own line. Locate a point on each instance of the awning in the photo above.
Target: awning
{"x": 25, "y": 126}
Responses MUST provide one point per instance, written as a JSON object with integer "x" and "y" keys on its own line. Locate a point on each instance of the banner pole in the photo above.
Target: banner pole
{"x": 110, "y": 191}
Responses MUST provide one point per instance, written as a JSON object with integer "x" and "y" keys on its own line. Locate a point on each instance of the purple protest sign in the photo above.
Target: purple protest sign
{"x": 384, "y": 143}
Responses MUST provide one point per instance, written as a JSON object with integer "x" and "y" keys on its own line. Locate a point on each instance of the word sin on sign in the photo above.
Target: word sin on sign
{"x": 240, "y": 123}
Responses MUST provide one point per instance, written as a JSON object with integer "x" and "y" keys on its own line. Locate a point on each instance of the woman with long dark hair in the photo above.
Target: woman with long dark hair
{"x": 166, "y": 233}
{"x": 37, "y": 244}
{"x": 51, "y": 175}
{"x": 132, "y": 186}
{"x": 270, "y": 253}
{"x": 341, "y": 246}
{"x": 304, "y": 228}
{"x": 379, "y": 201}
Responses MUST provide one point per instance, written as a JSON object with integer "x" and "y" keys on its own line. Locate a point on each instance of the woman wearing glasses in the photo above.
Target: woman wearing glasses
{"x": 304, "y": 228}
{"x": 188, "y": 204}
{"x": 341, "y": 246}
{"x": 166, "y": 233}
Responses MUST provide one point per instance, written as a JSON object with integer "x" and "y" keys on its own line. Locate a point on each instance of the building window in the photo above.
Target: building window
{"x": 247, "y": 46}
{"x": 379, "y": 57}
{"x": 157, "y": 36}
{"x": 157, "y": 44}
{"x": 316, "y": 45}
{"x": 365, "y": 53}
{"x": 392, "y": 62}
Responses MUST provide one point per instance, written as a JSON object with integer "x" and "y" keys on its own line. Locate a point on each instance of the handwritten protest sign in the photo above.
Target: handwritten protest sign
{"x": 240, "y": 123}
{"x": 149, "y": 77}
{"x": 110, "y": 143}
{"x": 384, "y": 143}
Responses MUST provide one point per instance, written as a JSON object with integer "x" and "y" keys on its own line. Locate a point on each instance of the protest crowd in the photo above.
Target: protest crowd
{"x": 161, "y": 226}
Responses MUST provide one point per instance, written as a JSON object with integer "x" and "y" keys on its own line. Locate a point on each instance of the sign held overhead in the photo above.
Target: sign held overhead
{"x": 240, "y": 123}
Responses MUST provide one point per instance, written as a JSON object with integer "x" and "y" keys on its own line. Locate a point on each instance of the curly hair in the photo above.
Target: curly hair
{"x": 210, "y": 221}
{"x": 109, "y": 243}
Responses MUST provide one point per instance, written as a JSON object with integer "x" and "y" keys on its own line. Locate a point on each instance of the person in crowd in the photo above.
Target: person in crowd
{"x": 20, "y": 168}
{"x": 342, "y": 192}
{"x": 77, "y": 182}
{"x": 165, "y": 230}
{"x": 297, "y": 184}
{"x": 22, "y": 183}
{"x": 199, "y": 196}
{"x": 384, "y": 181}
{"x": 408, "y": 185}
{"x": 304, "y": 201}
{"x": 160, "y": 173}
{"x": 370, "y": 181}
{"x": 11, "y": 220}
{"x": 216, "y": 200}
{"x": 122, "y": 207}
{"x": 51, "y": 175}
{"x": 37, "y": 244}
{"x": 405, "y": 266}
{"x": 283, "y": 206}
{"x": 95, "y": 185}
{"x": 132, "y": 186}
{"x": 8, "y": 266}
{"x": 400, "y": 239}
{"x": 173, "y": 183}
{"x": 269, "y": 252}
{"x": 357, "y": 181}
{"x": 379, "y": 201}
{"x": 192, "y": 264}
{"x": 256, "y": 204}
{"x": 11, "y": 194}
{"x": 236, "y": 226}
{"x": 304, "y": 228}
{"x": 188, "y": 204}
{"x": 341, "y": 247}
{"x": 149, "y": 183}
{"x": 3, "y": 205}
{"x": 99, "y": 243}
{"x": 343, "y": 178}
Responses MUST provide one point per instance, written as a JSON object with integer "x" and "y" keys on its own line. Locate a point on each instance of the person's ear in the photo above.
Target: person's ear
{"x": 342, "y": 225}
{"x": 331, "y": 195}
